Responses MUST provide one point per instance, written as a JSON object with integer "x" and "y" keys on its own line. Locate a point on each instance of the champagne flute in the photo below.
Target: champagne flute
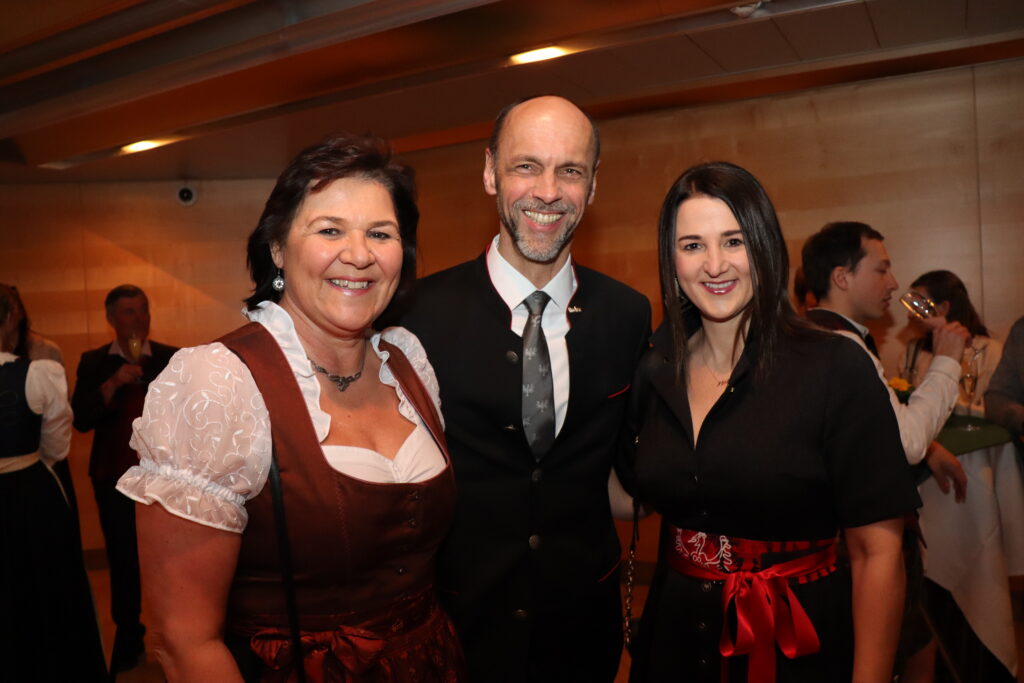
{"x": 919, "y": 305}
{"x": 134, "y": 347}
{"x": 969, "y": 383}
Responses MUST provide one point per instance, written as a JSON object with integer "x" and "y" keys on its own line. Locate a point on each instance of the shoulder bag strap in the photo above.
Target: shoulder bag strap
{"x": 284, "y": 548}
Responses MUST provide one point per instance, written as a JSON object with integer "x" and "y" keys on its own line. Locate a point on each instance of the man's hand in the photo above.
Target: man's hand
{"x": 949, "y": 339}
{"x": 945, "y": 467}
{"x": 126, "y": 374}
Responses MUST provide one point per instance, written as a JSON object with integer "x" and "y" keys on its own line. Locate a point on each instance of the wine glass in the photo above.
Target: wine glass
{"x": 969, "y": 383}
{"x": 919, "y": 305}
{"x": 134, "y": 347}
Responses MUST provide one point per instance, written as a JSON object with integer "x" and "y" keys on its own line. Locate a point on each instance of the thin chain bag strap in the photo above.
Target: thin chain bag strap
{"x": 284, "y": 548}
{"x": 627, "y": 612}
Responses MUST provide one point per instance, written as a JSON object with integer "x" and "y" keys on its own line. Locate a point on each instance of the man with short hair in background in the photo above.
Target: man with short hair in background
{"x": 534, "y": 355}
{"x": 110, "y": 390}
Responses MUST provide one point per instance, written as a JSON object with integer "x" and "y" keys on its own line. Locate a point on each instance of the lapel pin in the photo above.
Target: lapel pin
{"x": 575, "y": 309}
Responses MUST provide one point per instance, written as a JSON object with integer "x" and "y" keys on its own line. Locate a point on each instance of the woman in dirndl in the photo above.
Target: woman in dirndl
{"x": 294, "y": 484}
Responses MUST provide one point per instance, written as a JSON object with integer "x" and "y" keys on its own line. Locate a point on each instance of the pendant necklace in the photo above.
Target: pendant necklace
{"x": 704, "y": 359}
{"x": 340, "y": 381}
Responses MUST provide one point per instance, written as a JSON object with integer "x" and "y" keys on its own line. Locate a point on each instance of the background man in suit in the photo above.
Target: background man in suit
{"x": 848, "y": 269}
{"x": 533, "y": 390}
{"x": 109, "y": 393}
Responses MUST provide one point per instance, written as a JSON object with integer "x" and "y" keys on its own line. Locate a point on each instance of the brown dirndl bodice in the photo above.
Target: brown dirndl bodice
{"x": 362, "y": 553}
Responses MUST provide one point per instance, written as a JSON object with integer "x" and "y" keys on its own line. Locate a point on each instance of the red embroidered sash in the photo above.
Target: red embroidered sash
{"x": 767, "y": 611}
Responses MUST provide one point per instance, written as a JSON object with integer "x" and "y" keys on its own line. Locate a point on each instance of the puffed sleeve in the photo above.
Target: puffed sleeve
{"x": 410, "y": 345}
{"x": 203, "y": 440}
{"x": 862, "y": 446}
{"x": 46, "y": 390}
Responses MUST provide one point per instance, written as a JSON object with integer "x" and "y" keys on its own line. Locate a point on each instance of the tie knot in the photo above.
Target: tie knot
{"x": 536, "y": 302}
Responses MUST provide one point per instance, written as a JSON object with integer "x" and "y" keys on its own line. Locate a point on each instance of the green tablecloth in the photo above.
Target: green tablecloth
{"x": 960, "y": 441}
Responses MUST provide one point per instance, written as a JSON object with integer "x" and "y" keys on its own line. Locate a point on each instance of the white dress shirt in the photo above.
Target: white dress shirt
{"x": 922, "y": 417}
{"x": 46, "y": 391}
{"x": 513, "y": 288}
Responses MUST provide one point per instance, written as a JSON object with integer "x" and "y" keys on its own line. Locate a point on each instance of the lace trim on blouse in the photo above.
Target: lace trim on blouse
{"x": 204, "y": 440}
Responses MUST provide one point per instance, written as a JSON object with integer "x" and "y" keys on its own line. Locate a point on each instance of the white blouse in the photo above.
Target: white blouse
{"x": 46, "y": 391}
{"x": 204, "y": 439}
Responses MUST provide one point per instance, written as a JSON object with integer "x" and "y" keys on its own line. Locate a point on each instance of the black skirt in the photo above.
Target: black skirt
{"x": 48, "y": 630}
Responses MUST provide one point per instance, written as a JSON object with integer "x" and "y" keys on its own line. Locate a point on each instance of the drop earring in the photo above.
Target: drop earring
{"x": 278, "y": 282}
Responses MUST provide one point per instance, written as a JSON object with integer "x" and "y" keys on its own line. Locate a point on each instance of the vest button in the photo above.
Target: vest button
{"x": 707, "y": 586}
{"x": 701, "y": 626}
{"x": 536, "y": 475}
{"x": 512, "y": 357}
{"x": 534, "y": 542}
{"x": 520, "y": 615}
{"x": 413, "y": 522}
{"x": 400, "y": 569}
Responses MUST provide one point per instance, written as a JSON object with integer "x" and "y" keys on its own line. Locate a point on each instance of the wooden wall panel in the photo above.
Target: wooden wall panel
{"x": 1000, "y": 112}
{"x": 934, "y": 161}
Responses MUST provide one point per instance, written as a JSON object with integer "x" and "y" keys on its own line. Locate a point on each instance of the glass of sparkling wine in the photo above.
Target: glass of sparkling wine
{"x": 134, "y": 347}
{"x": 918, "y": 305}
{"x": 969, "y": 383}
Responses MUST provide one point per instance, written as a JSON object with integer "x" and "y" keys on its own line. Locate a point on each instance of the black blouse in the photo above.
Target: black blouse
{"x": 810, "y": 447}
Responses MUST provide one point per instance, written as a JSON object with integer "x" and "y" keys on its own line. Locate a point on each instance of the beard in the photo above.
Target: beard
{"x": 539, "y": 247}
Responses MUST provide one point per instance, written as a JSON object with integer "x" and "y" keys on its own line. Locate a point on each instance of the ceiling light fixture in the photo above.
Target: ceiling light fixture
{"x": 538, "y": 55}
{"x": 143, "y": 145}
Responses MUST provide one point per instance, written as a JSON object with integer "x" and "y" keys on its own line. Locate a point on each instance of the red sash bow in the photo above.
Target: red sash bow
{"x": 767, "y": 611}
{"x": 339, "y": 655}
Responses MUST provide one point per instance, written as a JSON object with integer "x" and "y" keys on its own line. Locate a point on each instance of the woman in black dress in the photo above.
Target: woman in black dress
{"x": 48, "y": 628}
{"x": 759, "y": 441}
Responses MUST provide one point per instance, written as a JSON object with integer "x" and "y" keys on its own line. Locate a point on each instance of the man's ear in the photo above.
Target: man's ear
{"x": 840, "y": 278}
{"x": 490, "y": 186}
{"x": 593, "y": 183}
{"x": 275, "y": 253}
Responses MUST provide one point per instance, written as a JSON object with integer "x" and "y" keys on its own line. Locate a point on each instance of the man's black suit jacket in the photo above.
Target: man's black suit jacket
{"x": 111, "y": 455}
{"x": 529, "y": 571}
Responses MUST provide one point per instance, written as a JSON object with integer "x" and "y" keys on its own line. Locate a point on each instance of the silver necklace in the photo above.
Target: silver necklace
{"x": 340, "y": 381}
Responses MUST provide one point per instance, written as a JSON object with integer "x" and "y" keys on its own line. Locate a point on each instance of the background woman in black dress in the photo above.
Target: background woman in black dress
{"x": 758, "y": 440}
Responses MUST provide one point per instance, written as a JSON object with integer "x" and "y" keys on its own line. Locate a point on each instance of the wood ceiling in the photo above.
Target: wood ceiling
{"x": 241, "y": 85}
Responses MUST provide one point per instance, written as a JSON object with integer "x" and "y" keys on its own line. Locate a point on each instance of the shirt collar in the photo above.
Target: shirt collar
{"x": 513, "y": 287}
{"x": 115, "y": 350}
{"x": 864, "y": 331}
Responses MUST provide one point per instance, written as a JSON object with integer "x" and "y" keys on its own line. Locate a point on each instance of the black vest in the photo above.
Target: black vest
{"x": 19, "y": 426}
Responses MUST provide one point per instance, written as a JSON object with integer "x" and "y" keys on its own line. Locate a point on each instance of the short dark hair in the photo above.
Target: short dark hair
{"x": 121, "y": 292}
{"x": 944, "y": 285}
{"x": 837, "y": 244}
{"x": 499, "y": 126}
{"x": 770, "y": 313}
{"x": 342, "y": 156}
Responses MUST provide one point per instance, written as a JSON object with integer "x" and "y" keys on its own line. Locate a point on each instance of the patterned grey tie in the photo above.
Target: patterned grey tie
{"x": 538, "y": 388}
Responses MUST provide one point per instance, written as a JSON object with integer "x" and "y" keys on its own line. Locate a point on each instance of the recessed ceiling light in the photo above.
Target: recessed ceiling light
{"x": 143, "y": 145}
{"x": 538, "y": 55}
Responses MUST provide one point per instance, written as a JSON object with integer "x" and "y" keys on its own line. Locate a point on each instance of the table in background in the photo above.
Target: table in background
{"x": 974, "y": 547}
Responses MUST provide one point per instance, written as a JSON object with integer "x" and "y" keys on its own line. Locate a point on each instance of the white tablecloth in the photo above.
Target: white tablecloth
{"x": 973, "y": 548}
